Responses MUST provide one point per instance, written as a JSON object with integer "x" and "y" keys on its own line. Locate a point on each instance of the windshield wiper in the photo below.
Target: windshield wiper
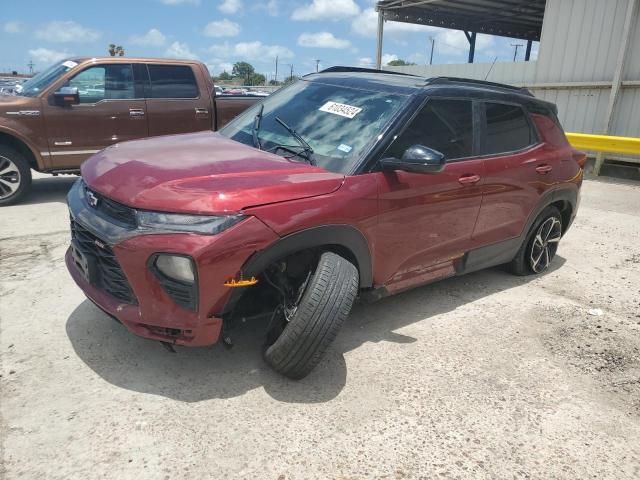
{"x": 257, "y": 123}
{"x": 303, "y": 143}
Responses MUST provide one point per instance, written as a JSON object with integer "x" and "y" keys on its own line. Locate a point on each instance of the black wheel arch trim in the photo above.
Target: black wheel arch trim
{"x": 344, "y": 236}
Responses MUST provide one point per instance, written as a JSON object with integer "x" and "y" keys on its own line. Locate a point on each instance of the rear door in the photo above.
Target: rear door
{"x": 177, "y": 101}
{"x": 426, "y": 221}
{"x": 518, "y": 170}
{"x": 111, "y": 109}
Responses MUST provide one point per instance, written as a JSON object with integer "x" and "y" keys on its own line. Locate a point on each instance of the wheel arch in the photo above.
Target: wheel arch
{"x": 12, "y": 140}
{"x": 344, "y": 240}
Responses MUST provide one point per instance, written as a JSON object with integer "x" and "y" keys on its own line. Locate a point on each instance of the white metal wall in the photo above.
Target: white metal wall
{"x": 575, "y": 67}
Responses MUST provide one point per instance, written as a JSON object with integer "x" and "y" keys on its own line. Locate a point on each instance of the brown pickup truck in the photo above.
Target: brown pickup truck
{"x": 77, "y": 107}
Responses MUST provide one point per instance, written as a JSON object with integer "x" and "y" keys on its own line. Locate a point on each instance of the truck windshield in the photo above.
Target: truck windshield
{"x": 42, "y": 80}
{"x": 337, "y": 123}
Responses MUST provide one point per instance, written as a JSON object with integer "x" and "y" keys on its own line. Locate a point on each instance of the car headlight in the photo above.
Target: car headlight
{"x": 204, "y": 224}
{"x": 176, "y": 267}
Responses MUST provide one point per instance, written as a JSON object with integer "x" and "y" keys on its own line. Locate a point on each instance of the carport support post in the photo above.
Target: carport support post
{"x": 380, "y": 32}
{"x": 471, "y": 37}
{"x": 617, "y": 77}
{"x": 527, "y": 54}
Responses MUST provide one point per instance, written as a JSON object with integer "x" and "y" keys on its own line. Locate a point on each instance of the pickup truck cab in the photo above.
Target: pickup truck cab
{"x": 79, "y": 106}
{"x": 349, "y": 182}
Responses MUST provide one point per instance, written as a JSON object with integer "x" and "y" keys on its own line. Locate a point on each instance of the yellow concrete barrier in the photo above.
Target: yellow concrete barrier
{"x": 605, "y": 143}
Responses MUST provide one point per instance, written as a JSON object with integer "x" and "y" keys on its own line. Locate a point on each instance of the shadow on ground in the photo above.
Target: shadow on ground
{"x": 196, "y": 374}
{"x": 49, "y": 189}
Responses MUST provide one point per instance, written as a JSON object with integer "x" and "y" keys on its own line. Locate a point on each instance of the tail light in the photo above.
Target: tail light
{"x": 580, "y": 158}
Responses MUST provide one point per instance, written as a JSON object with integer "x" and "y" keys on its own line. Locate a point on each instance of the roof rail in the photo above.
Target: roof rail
{"x": 338, "y": 69}
{"x": 437, "y": 80}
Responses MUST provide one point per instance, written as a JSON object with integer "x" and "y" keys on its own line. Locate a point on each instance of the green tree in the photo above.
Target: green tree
{"x": 116, "y": 50}
{"x": 289, "y": 80}
{"x": 243, "y": 70}
{"x": 257, "y": 79}
{"x": 224, "y": 76}
{"x": 399, "y": 63}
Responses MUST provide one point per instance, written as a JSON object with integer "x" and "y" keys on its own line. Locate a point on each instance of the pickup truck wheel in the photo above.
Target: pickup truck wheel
{"x": 316, "y": 317}
{"x": 15, "y": 176}
{"x": 539, "y": 248}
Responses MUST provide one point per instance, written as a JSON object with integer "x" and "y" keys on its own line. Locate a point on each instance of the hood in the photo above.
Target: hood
{"x": 201, "y": 173}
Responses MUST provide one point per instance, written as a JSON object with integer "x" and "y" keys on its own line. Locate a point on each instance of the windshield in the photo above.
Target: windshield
{"x": 42, "y": 80}
{"x": 336, "y": 122}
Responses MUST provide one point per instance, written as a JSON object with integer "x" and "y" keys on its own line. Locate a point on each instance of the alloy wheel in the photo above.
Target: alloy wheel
{"x": 9, "y": 178}
{"x": 545, "y": 244}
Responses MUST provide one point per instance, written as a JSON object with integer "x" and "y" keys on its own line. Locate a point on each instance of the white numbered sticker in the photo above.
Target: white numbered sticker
{"x": 347, "y": 111}
{"x": 69, "y": 64}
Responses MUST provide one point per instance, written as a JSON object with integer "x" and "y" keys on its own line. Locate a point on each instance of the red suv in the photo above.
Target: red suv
{"x": 347, "y": 183}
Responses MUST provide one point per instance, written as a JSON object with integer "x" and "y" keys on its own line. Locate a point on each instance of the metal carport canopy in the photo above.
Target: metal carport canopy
{"x": 505, "y": 18}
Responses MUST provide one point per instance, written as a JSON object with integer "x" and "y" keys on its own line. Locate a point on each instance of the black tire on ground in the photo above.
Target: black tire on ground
{"x": 540, "y": 246}
{"x": 15, "y": 176}
{"x": 325, "y": 304}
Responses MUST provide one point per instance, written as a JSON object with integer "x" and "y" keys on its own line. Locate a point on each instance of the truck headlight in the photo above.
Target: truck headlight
{"x": 176, "y": 267}
{"x": 175, "y": 222}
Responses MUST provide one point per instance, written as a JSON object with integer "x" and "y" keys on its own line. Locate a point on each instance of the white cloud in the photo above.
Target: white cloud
{"x": 322, "y": 40}
{"x": 230, "y": 6}
{"x": 181, "y": 2}
{"x": 216, "y": 66}
{"x": 47, "y": 56}
{"x": 12, "y": 27}
{"x": 271, "y": 7}
{"x": 153, "y": 38}
{"x": 256, "y": 51}
{"x": 180, "y": 50}
{"x": 222, "y": 28}
{"x": 67, "y": 31}
{"x": 388, "y": 57}
{"x": 455, "y": 41}
{"x": 326, "y": 10}
{"x": 366, "y": 25}
{"x": 366, "y": 62}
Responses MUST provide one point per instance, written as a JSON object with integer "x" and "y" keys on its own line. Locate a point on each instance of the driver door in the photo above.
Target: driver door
{"x": 111, "y": 110}
{"x": 426, "y": 220}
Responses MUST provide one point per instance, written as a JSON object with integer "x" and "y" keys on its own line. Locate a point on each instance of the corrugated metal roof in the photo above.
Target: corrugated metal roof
{"x": 506, "y": 18}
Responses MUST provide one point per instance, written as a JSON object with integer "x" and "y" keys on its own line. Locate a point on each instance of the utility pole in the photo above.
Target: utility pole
{"x": 515, "y": 53}
{"x": 291, "y": 77}
{"x": 31, "y": 65}
{"x": 433, "y": 44}
{"x": 276, "y": 76}
{"x": 317, "y": 63}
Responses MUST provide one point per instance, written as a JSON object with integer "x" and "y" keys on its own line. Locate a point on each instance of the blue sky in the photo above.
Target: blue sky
{"x": 221, "y": 32}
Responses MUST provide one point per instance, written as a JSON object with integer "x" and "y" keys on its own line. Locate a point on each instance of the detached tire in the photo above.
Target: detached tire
{"x": 540, "y": 246}
{"x": 15, "y": 176}
{"x": 325, "y": 304}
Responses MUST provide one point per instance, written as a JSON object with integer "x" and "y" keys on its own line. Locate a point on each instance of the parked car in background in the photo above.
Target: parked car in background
{"x": 77, "y": 107}
{"x": 348, "y": 182}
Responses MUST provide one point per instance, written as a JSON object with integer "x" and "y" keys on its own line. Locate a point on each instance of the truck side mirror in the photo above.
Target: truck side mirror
{"x": 66, "y": 96}
{"x": 417, "y": 159}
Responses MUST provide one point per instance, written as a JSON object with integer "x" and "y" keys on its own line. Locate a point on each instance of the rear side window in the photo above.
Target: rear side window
{"x": 172, "y": 81}
{"x": 444, "y": 125}
{"x": 507, "y": 129}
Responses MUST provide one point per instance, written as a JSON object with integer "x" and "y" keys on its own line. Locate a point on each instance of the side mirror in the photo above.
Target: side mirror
{"x": 417, "y": 159}
{"x": 67, "y": 96}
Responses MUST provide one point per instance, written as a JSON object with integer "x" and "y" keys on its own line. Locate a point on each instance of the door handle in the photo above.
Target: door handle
{"x": 202, "y": 111}
{"x": 544, "y": 168}
{"x": 469, "y": 179}
{"x": 136, "y": 112}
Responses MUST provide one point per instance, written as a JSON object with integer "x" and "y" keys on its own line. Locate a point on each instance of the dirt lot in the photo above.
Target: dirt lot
{"x": 484, "y": 376}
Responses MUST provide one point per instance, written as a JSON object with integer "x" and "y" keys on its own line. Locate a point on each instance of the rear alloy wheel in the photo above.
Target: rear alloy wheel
{"x": 540, "y": 246}
{"x": 15, "y": 176}
{"x": 305, "y": 328}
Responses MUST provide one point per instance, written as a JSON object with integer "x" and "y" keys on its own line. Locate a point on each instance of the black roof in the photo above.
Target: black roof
{"x": 406, "y": 84}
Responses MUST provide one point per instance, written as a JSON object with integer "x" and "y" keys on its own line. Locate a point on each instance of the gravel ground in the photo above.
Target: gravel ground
{"x": 483, "y": 376}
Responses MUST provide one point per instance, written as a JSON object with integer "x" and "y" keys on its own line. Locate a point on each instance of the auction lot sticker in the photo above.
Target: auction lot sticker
{"x": 347, "y": 111}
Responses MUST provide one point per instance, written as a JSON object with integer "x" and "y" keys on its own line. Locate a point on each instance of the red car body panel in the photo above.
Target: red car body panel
{"x": 201, "y": 173}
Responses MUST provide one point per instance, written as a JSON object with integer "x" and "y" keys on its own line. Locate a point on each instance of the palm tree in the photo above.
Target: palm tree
{"x": 116, "y": 50}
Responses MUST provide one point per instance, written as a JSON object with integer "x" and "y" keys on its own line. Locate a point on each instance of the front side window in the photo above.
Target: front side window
{"x": 337, "y": 122}
{"x": 507, "y": 129}
{"x": 104, "y": 82}
{"x": 42, "y": 80}
{"x": 172, "y": 81}
{"x": 443, "y": 125}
